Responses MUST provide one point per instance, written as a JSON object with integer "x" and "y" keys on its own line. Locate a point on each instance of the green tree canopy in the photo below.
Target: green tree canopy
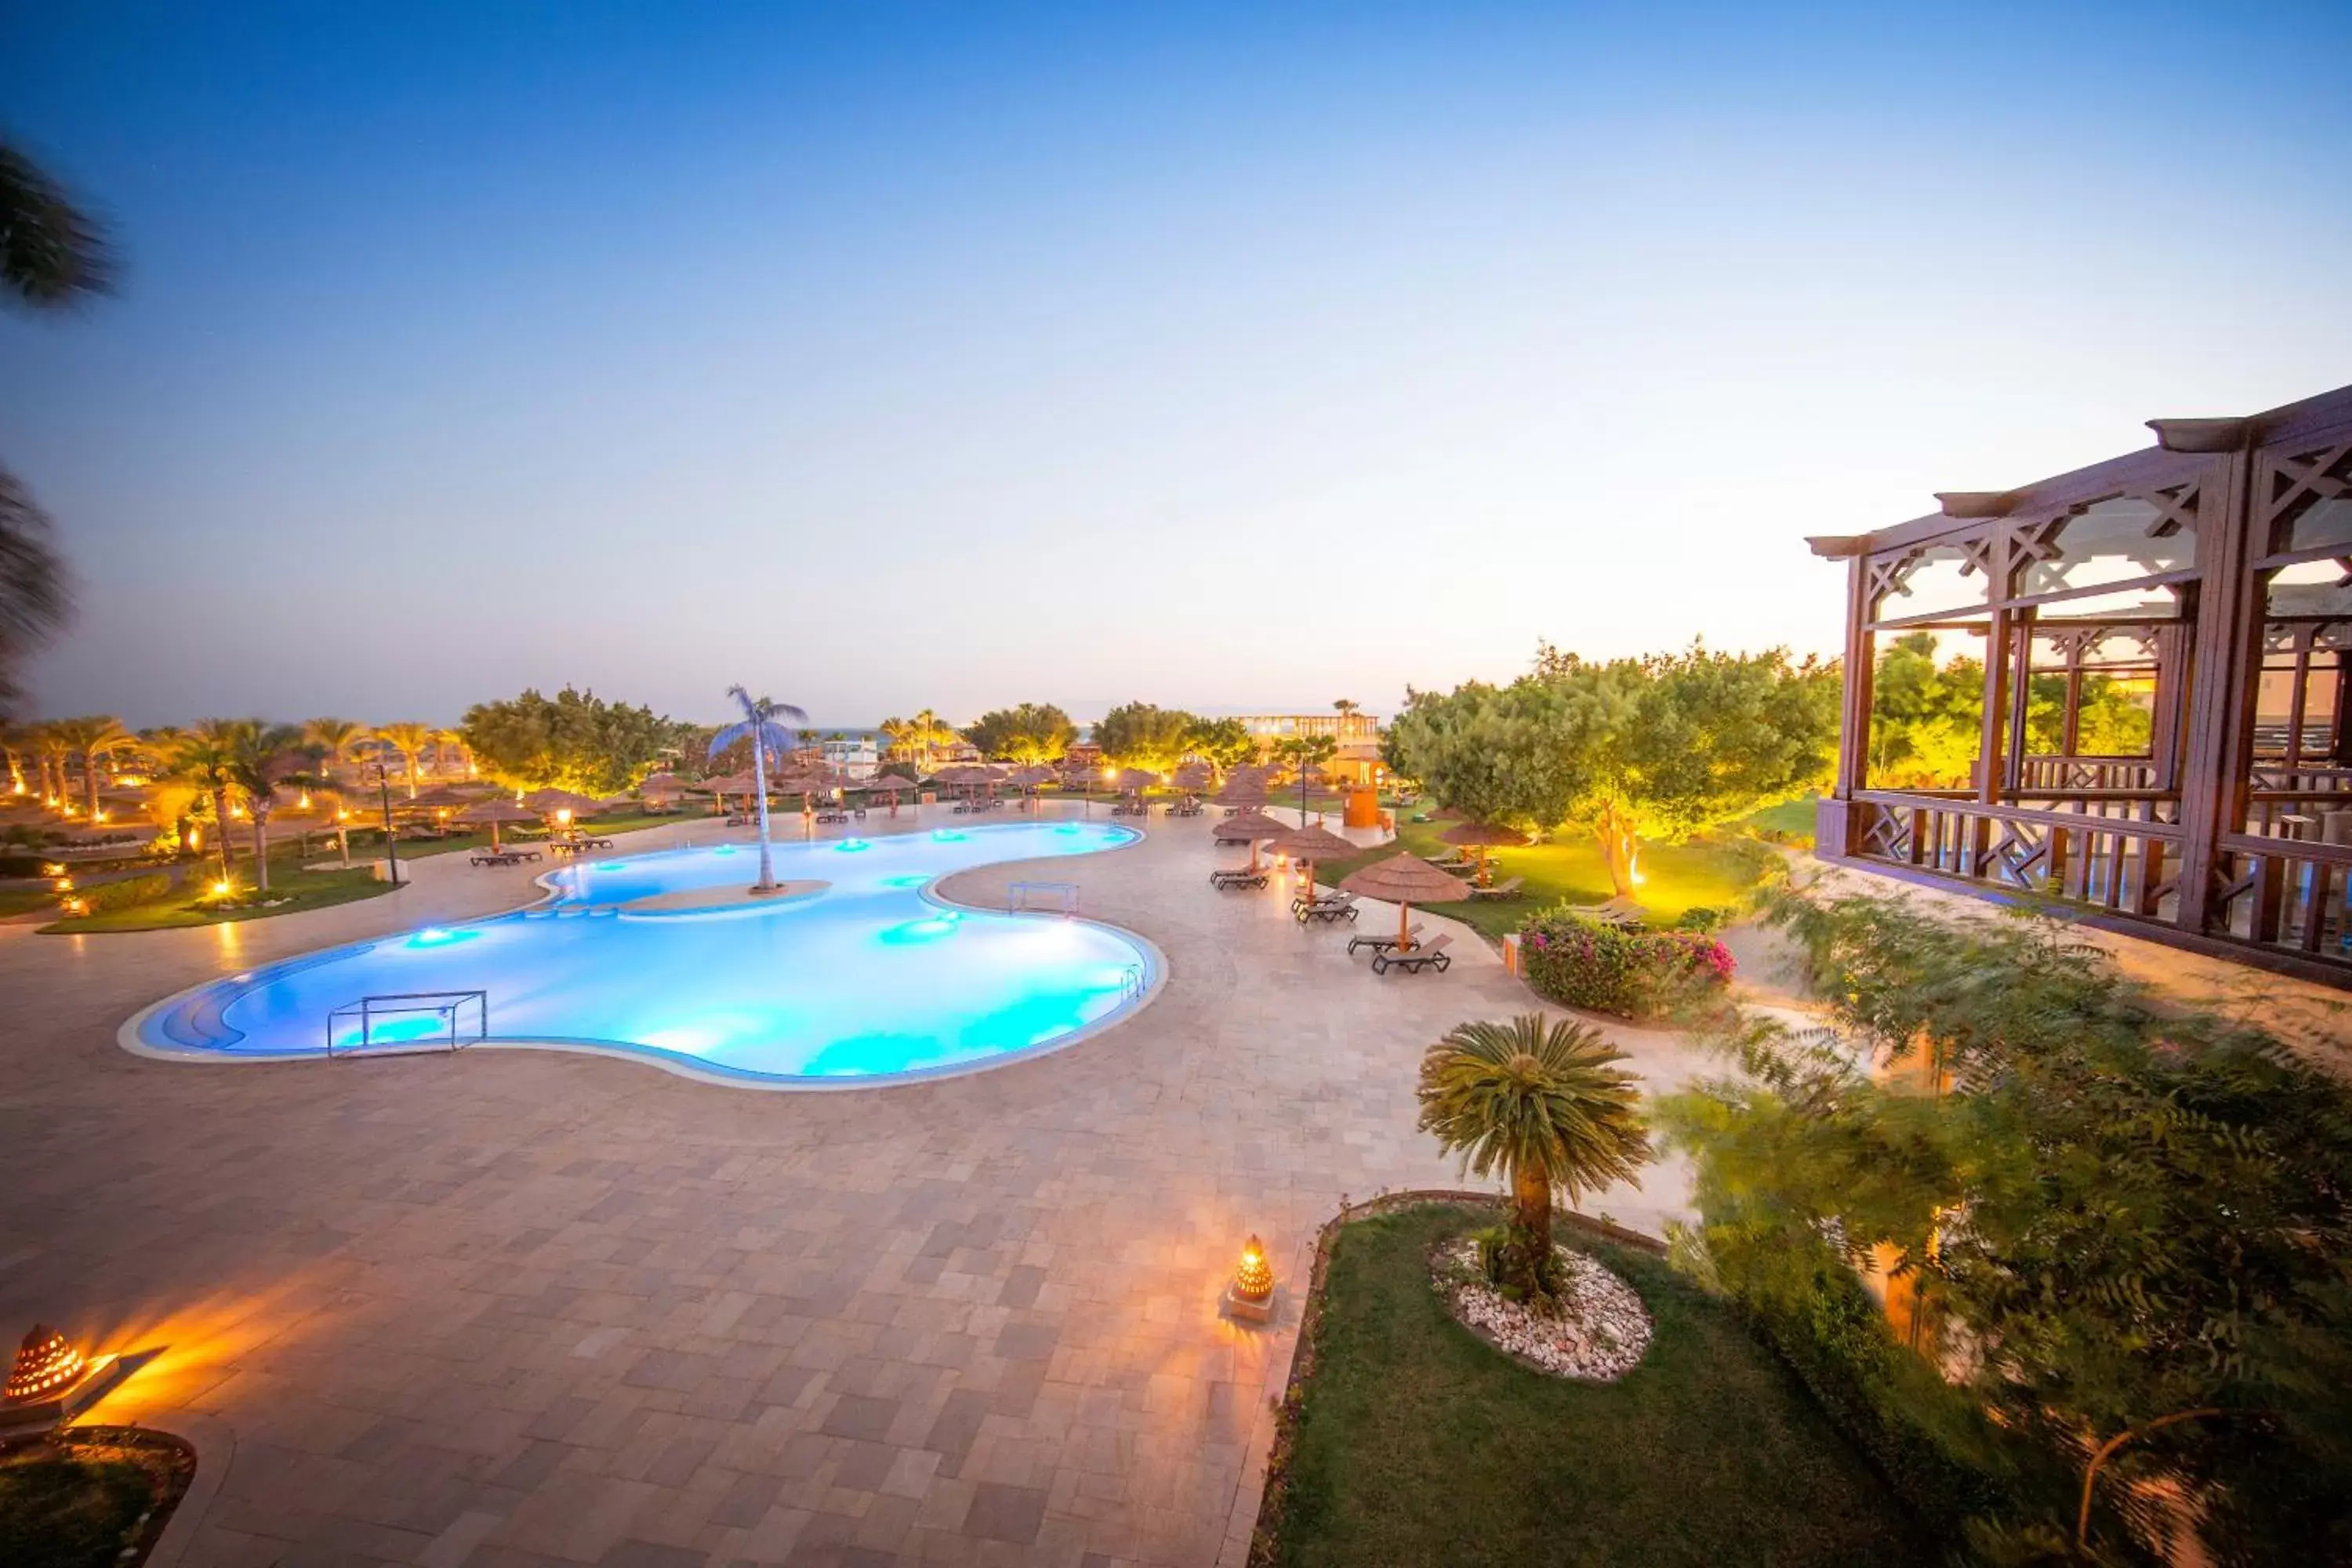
{"x": 574, "y": 741}
{"x": 1142, "y": 735}
{"x": 1224, "y": 742}
{"x": 1632, "y": 749}
{"x": 1926, "y": 718}
{"x": 2124, "y": 1210}
{"x": 1029, "y": 735}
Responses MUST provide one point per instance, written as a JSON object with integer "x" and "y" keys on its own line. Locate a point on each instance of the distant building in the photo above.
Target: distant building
{"x": 854, "y": 756}
{"x": 1357, "y": 760}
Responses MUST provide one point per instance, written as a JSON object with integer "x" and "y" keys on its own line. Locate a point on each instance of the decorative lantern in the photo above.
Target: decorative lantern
{"x": 1249, "y": 1298}
{"x": 46, "y": 1364}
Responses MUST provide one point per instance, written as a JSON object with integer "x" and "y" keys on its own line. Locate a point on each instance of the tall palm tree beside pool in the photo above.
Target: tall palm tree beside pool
{"x": 1542, "y": 1103}
{"x": 768, "y": 724}
{"x": 205, "y": 760}
{"x": 262, "y": 761}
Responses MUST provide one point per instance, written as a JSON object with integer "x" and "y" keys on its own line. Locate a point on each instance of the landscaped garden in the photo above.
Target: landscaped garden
{"x": 1418, "y": 1441}
{"x": 91, "y": 1498}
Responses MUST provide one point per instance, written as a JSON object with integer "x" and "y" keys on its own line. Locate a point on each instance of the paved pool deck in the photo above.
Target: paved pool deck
{"x": 514, "y": 1308}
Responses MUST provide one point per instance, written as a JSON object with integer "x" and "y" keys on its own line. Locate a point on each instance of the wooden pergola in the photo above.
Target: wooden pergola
{"x": 2207, "y": 582}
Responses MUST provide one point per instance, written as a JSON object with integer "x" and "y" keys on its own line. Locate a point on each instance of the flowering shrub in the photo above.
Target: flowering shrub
{"x": 1634, "y": 972}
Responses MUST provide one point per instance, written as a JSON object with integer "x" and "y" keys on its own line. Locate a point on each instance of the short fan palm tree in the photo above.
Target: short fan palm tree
{"x": 767, "y": 724}
{"x": 1542, "y": 1103}
{"x": 91, "y": 739}
{"x": 205, "y": 759}
{"x": 335, "y": 739}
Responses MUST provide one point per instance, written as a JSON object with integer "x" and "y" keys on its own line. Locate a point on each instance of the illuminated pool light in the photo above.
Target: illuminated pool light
{"x": 947, "y": 835}
{"x": 439, "y": 936}
{"x": 851, "y": 846}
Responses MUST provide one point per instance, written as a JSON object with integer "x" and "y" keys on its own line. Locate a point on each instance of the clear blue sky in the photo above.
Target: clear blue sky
{"x": 884, "y": 356}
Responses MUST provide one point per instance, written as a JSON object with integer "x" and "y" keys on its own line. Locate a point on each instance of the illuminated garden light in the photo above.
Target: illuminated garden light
{"x": 47, "y": 1364}
{"x": 1249, "y": 1295}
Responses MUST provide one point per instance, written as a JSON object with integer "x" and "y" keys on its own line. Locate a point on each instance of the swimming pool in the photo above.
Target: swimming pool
{"x": 861, "y": 976}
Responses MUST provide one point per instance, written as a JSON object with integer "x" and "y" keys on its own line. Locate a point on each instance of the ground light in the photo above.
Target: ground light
{"x": 1249, "y": 1295}
{"x": 52, "y": 1380}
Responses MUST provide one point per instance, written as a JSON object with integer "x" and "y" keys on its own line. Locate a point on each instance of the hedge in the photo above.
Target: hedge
{"x": 1631, "y": 971}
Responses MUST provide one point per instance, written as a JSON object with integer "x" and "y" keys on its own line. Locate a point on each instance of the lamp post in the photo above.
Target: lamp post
{"x": 391, "y": 844}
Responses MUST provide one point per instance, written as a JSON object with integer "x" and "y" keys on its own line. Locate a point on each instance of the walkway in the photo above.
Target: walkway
{"x": 518, "y": 1307}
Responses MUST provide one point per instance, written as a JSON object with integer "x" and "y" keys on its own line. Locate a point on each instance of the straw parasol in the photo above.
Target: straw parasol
{"x": 440, "y": 797}
{"x": 550, "y": 802}
{"x": 1403, "y": 879}
{"x": 654, "y": 786}
{"x": 1481, "y": 836}
{"x": 891, "y": 783}
{"x": 1243, "y": 788}
{"x": 1308, "y": 844}
{"x": 494, "y": 811}
{"x": 1253, "y": 826}
{"x": 1449, "y": 813}
{"x": 1135, "y": 781}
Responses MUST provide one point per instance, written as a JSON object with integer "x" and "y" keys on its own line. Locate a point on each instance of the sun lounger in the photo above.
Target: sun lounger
{"x": 488, "y": 856}
{"x": 1508, "y": 888}
{"x": 1429, "y": 955}
{"x": 1325, "y": 910}
{"x": 1385, "y": 943}
{"x": 1615, "y": 912}
{"x": 1230, "y": 877}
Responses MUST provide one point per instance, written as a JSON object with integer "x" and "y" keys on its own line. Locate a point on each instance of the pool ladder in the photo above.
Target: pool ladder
{"x": 447, "y": 1005}
{"x": 1130, "y": 983}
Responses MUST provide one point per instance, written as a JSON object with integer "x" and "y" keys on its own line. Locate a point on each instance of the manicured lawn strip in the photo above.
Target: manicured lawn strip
{"x": 98, "y": 1498}
{"x": 295, "y": 889}
{"x": 20, "y": 900}
{"x": 1714, "y": 874}
{"x": 1792, "y": 819}
{"x": 1418, "y": 1442}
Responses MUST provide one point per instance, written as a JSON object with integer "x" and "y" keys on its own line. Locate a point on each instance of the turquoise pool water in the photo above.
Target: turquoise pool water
{"x": 868, "y": 978}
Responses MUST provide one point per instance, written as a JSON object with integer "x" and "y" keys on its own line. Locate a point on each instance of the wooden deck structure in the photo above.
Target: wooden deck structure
{"x": 2206, "y": 581}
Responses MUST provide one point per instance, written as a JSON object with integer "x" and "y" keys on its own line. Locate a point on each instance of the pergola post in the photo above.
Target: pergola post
{"x": 2226, "y": 650}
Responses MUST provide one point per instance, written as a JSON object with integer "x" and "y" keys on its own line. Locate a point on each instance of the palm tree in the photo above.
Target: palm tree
{"x": 205, "y": 759}
{"x": 90, "y": 739}
{"x": 1543, "y": 1104}
{"x": 409, "y": 740}
{"x": 336, "y": 739}
{"x": 16, "y": 744}
{"x": 262, "y": 761}
{"x": 447, "y": 743}
{"x": 51, "y": 751}
{"x": 52, "y": 257}
{"x": 768, "y": 725}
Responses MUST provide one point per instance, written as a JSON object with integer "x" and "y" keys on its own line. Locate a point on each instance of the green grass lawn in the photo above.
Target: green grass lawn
{"x": 61, "y": 1509}
{"x": 21, "y": 901}
{"x": 1793, "y": 818}
{"x": 291, "y": 891}
{"x": 1714, "y": 873}
{"x": 1418, "y": 1442}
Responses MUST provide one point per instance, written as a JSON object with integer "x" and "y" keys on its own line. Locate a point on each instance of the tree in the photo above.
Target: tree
{"x": 574, "y": 741}
{"x": 765, "y": 724}
{"x": 2118, "y": 1209}
{"x": 205, "y": 759}
{"x": 1305, "y": 753}
{"x": 336, "y": 739}
{"x": 1227, "y": 743}
{"x": 1493, "y": 753}
{"x": 1926, "y": 718}
{"x": 53, "y": 255}
{"x": 1142, "y": 735}
{"x": 1543, "y": 1104}
{"x": 1030, "y": 734}
{"x": 409, "y": 740}
{"x": 91, "y": 739}
{"x": 263, "y": 759}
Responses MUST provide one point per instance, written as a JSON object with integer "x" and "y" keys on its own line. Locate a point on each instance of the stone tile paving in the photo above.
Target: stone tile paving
{"x": 526, "y": 1308}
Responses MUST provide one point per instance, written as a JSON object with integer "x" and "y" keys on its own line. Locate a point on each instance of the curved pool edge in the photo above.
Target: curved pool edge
{"x": 130, "y": 1035}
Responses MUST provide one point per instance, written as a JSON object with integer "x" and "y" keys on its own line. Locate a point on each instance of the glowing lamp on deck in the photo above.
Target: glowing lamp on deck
{"x": 45, "y": 1363}
{"x": 1249, "y": 1296}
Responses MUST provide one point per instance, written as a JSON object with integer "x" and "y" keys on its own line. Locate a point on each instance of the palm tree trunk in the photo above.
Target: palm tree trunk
{"x": 410, "y": 757}
{"x": 220, "y": 830}
{"x": 1531, "y": 1228}
{"x": 89, "y": 784}
{"x": 260, "y": 849}
{"x": 760, "y": 782}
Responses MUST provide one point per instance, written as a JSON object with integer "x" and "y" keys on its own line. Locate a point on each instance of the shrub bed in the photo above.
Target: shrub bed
{"x": 1633, "y": 972}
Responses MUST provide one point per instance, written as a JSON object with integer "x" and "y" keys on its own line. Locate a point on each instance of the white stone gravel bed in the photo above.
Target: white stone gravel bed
{"x": 1601, "y": 1331}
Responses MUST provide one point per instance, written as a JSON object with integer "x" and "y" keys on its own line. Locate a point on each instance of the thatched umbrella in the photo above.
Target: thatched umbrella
{"x": 1242, "y": 787}
{"x": 1134, "y": 781}
{"x": 661, "y": 786}
{"x": 890, "y": 784}
{"x": 494, "y": 811}
{"x": 1308, "y": 844}
{"x": 1404, "y": 880}
{"x": 1254, "y": 826}
{"x": 563, "y": 802}
{"x": 1026, "y": 780}
{"x": 1481, "y": 836}
{"x": 969, "y": 777}
{"x": 1449, "y": 813}
{"x": 440, "y": 797}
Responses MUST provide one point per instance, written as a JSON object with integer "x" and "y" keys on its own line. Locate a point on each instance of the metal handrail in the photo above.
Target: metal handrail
{"x": 1130, "y": 983}
{"x": 446, "y": 1004}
